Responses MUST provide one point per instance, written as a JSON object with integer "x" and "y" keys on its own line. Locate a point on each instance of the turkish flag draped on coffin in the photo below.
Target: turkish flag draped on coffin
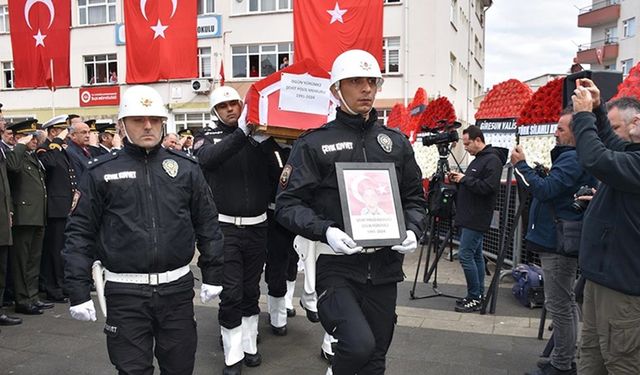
{"x": 161, "y": 40}
{"x": 40, "y": 39}
{"x": 323, "y": 29}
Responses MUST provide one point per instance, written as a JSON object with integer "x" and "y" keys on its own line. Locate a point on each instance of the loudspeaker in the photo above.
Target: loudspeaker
{"x": 607, "y": 81}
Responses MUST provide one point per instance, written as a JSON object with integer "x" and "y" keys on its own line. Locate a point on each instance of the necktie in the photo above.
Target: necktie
{"x": 86, "y": 152}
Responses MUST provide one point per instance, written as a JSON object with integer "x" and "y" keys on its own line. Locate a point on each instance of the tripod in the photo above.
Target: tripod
{"x": 440, "y": 200}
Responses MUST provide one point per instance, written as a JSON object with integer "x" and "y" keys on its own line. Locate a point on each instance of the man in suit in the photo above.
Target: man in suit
{"x": 26, "y": 178}
{"x": 5, "y": 228}
{"x": 78, "y": 146}
{"x": 61, "y": 184}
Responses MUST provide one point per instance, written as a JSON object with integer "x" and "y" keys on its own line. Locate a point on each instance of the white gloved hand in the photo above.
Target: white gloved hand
{"x": 341, "y": 243}
{"x": 259, "y": 136}
{"x": 242, "y": 121}
{"x": 409, "y": 244}
{"x": 209, "y": 292}
{"x": 85, "y": 311}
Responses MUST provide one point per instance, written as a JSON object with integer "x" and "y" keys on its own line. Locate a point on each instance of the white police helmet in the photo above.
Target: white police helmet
{"x": 141, "y": 100}
{"x": 223, "y": 94}
{"x": 355, "y": 63}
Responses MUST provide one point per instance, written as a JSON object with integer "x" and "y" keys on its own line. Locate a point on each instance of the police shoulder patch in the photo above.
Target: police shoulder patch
{"x": 198, "y": 143}
{"x": 183, "y": 155}
{"x": 101, "y": 159}
{"x": 171, "y": 167}
{"x": 385, "y": 142}
{"x": 74, "y": 201}
{"x": 284, "y": 176}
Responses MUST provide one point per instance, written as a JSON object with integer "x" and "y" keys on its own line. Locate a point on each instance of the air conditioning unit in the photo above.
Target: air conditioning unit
{"x": 201, "y": 86}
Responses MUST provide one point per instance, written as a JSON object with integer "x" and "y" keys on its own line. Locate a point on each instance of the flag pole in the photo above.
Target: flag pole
{"x": 53, "y": 104}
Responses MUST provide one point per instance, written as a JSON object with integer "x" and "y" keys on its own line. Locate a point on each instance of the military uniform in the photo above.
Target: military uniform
{"x": 61, "y": 185}
{"x": 6, "y": 239}
{"x": 186, "y": 133}
{"x": 27, "y": 180}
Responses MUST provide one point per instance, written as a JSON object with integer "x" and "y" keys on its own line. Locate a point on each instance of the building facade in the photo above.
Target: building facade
{"x": 614, "y": 41}
{"x": 437, "y": 45}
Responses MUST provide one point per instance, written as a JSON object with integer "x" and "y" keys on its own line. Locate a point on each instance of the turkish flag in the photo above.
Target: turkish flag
{"x": 40, "y": 40}
{"x": 161, "y": 40}
{"x": 323, "y": 29}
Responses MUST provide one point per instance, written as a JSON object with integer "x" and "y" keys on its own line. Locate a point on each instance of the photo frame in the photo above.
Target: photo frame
{"x": 371, "y": 205}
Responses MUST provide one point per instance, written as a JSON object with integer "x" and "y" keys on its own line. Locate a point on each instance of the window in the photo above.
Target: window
{"x": 626, "y": 66}
{"x": 7, "y": 75}
{"x": 93, "y": 12}
{"x": 453, "y": 17}
{"x": 392, "y": 1}
{"x": 204, "y": 62}
{"x": 610, "y": 67}
{"x": 193, "y": 121}
{"x": 206, "y": 7}
{"x": 268, "y": 5}
{"x": 477, "y": 49}
{"x": 610, "y": 35}
{"x": 453, "y": 63}
{"x": 629, "y": 27}
{"x": 4, "y": 18}
{"x": 391, "y": 55}
{"x": 383, "y": 115}
{"x": 101, "y": 69}
{"x": 251, "y": 61}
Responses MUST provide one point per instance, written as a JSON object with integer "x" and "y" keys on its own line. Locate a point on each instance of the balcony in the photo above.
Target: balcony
{"x": 600, "y": 13}
{"x": 598, "y": 52}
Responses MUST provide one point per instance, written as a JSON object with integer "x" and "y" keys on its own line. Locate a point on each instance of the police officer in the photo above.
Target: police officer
{"x": 357, "y": 291}
{"x": 26, "y": 177}
{"x": 236, "y": 166}
{"x": 61, "y": 185}
{"x": 140, "y": 211}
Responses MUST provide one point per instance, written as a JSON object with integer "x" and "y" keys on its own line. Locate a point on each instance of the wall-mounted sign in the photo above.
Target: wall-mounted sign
{"x": 99, "y": 96}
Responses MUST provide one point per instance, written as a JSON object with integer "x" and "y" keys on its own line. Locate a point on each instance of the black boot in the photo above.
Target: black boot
{"x": 252, "y": 360}
{"x": 235, "y": 369}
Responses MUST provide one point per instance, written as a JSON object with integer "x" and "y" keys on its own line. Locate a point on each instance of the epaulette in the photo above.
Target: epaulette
{"x": 397, "y": 130}
{"x": 102, "y": 159}
{"x": 183, "y": 155}
{"x": 54, "y": 146}
{"x": 309, "y": 131}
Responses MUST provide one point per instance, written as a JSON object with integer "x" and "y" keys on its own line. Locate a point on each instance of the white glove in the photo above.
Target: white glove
{"x": 242, "y": 121}
{"x": 259, "y": 137}
{"x": 209, "y": 292}
{"x": 409, "y": 244}
{"x": 341, "y": 243}
{"x": 85, "y": 311}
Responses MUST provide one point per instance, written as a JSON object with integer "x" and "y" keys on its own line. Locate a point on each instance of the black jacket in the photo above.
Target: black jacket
{"x": 142, "y": 213}
{"x": 5, "y": 201}
{"x": 478, "y": 190}
{"x": 237, "y": 168}
{"x": 611, "y": 226}
{"x": 60, "y": 178}
{"x": 308, "y": 201}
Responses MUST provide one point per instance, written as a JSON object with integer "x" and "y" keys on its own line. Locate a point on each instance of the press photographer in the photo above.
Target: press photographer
{"x": 477, "y": 193}
{"x": 609, "y": 246}
{"x": 553, "y": 232}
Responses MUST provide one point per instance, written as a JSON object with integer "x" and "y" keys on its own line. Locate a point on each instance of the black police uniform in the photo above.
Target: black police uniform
{"x": 356, "y": 293}
{"x": 61, "y": 184}
{"x": 239, "y": 172}
{"x": 282, "y": 259}
{"x": 142, "y": 212}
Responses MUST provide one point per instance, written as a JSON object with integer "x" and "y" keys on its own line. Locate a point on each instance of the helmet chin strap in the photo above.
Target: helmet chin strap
{"x": 343, "y": 103}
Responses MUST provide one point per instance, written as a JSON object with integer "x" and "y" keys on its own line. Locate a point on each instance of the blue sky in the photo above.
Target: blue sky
{"x": 528, "y": 38}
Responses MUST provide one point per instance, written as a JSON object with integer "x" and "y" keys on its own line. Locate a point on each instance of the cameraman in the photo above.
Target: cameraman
{"x": 477, "y": 192}
{"x": 609, "y": 257}
{"x": 552, "y": 201}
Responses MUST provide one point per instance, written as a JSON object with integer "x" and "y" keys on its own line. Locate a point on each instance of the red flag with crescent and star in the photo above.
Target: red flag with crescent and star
{"x": 161, "y": 40}
{"x": 323, "y": 29}
{"x": 40, "y": 41}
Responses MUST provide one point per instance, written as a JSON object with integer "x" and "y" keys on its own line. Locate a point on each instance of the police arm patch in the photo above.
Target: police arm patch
{"x": 284, "y": 176}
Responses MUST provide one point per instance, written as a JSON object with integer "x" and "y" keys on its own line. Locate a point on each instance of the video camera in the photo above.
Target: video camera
{"x": 444, "y": 133}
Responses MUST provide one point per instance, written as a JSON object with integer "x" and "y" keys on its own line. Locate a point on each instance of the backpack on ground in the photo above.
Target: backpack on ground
{"x": 528, "y": 287}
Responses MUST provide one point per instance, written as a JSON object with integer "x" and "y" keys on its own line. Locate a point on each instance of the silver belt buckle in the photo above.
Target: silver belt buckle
{"x": 237, "y": 221}
{"x": 153, "y": 279}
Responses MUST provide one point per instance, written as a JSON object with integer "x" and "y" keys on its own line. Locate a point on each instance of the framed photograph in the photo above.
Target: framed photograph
{"x": 371, "y": 206}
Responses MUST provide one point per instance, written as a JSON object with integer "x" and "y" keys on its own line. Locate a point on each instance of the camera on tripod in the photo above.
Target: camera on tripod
{"x": 444, "y": 133}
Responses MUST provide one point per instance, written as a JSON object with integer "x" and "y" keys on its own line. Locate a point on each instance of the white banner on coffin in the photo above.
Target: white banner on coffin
{"x": 304, "y": 93}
